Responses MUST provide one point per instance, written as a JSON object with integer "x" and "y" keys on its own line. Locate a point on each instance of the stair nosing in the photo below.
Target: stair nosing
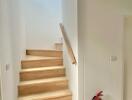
{"x": 42, "y": 69}
{"x": 44, "y": 50}
{"x": 38, "y": 81}
{"x": 52, "y": 94}
{"x": 42, "y": 59}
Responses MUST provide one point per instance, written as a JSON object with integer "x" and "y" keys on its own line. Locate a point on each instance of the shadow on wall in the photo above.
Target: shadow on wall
{"x": 107, "y": 97}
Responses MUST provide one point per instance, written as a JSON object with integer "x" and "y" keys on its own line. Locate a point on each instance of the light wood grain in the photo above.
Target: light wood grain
{"x": 68, "y": 45}
{"x": 41, "y": 63}
{"x": 42, "y": 73}
{"x": 45, "y": 53}
{"x": 59, "y": 46}
{"x": 55, "y": 95}
{"x": 39, "y": 86}
{"x": 61, "y": 98}
{"x": 43, "y": 78}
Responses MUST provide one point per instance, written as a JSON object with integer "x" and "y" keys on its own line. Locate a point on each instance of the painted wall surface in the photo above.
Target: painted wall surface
{"x": 100, "y": 49}
{"x": 11, "y": 47}
{"x": 13, "y": 32}
{"x": 128, "y": 58}
{"x": 0, "y": 81}
{"x": 42, "y": 18}
{"x": 7, "y": 68}
{"x": 17, "y": 40}
{"x": 70, "y": 24}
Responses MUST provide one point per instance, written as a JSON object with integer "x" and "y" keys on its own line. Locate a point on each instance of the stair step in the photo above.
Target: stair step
{"x": 45, "y": 53}
{"x": 29, "y": 57}
{"x": 42, "y": 85}
{"x": 58, "y": 46}
{"x": 44, "y": 72}
{"x": 41, "y": 63}
{"x": 56, "y": 95}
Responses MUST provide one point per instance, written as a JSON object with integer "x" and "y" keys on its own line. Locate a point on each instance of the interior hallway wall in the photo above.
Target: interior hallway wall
{"x": 128, "y": 58}
{"x": 8, "y": 89}
{"x": 42, "y": 18}
{"x": 101, "y": 65}
{"x": 70, "y": 24}
{"x": 11, "y": 47}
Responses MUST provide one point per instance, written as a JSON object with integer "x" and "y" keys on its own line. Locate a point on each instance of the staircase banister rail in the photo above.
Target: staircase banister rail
{"x": 68, "y": 45}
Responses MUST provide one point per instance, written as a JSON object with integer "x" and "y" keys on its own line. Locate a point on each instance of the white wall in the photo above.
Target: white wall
{"x": 7, "y": 73}
{"x": 17, "y": 40}
{"x": 70, "y": 24}
{"x": 11, "y": 46}
{"x": 128, "y": 58}
{"x": 42, "y": 18}
{"x": 100, "y": 37}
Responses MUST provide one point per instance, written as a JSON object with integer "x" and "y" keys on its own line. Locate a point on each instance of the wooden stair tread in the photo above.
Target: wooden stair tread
{"x": 29, "y": 57}
{"x": 43, "y": 76}
{"x": 46, "y": 96}
{"x": 51, "y": 50}
{"x": 42, "y": 68}
{"x": 42, "y": 81}
{"x": 41, "y": 63}
{"x": 42, "y": 73}
{"x": 45, "y": 53}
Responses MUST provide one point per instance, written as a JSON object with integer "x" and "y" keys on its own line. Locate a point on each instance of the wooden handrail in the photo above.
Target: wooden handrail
{"x": 68, "y": 45}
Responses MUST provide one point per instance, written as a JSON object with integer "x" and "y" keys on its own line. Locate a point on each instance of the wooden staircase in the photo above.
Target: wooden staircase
{"x": 43, "y": 76}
